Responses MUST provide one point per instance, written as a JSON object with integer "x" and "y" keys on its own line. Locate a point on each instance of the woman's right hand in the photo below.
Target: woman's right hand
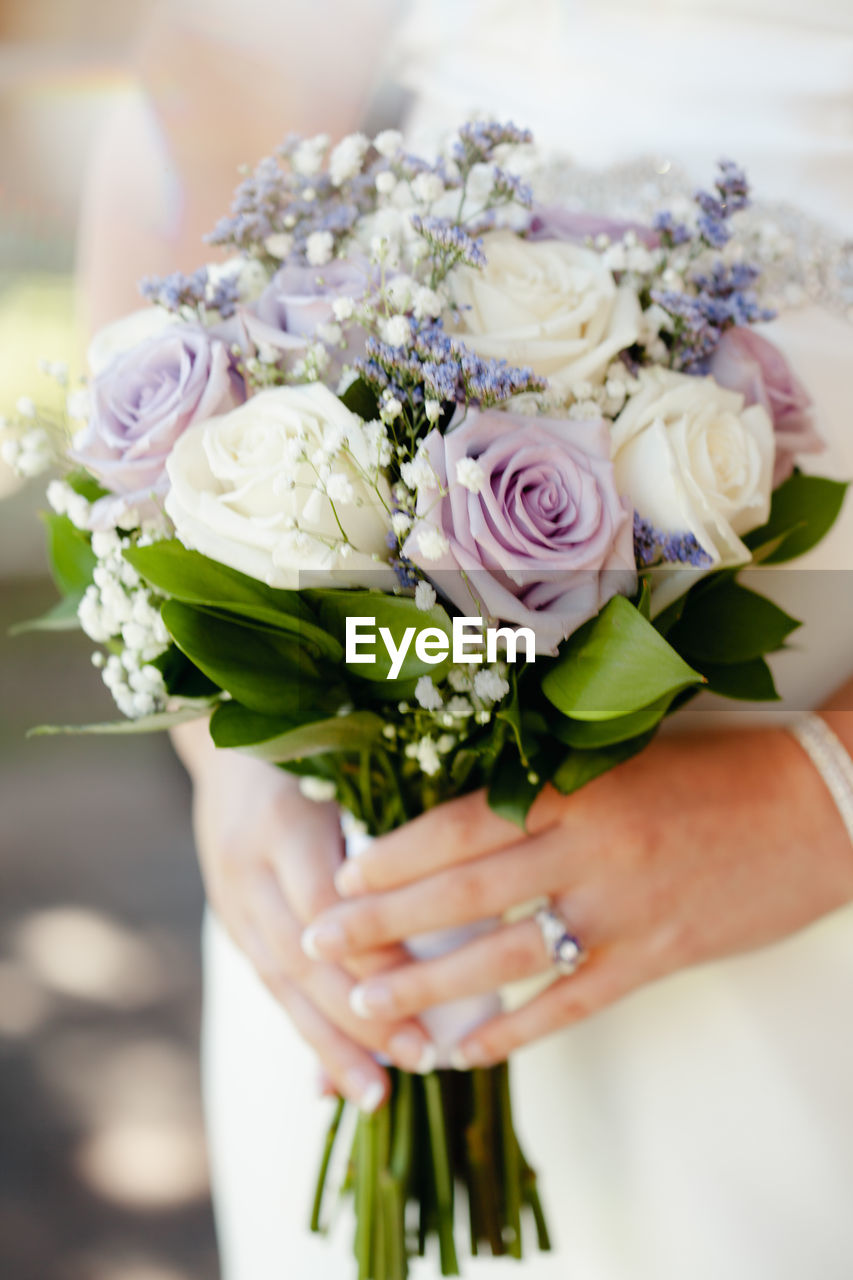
{"x": 268, "y": 857}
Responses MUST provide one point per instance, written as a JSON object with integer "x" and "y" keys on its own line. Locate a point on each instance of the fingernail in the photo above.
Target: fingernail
{"x": 363, "y": 1090}
{"x": 465, "y": 1059}
{"x": 349, "y": 879}
{"x": 413, "y": 1053}
{"x": 371, "y": 998}
{"x": 323, "y": 939}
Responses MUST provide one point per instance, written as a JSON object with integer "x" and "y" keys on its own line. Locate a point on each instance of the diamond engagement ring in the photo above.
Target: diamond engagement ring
{"x": 566, "y": 951}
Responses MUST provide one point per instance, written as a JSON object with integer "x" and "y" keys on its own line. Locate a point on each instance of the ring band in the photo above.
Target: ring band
{"x": 565, "y": 950}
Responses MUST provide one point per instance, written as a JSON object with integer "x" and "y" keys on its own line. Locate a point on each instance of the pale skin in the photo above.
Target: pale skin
{"x": 702, "y": 847}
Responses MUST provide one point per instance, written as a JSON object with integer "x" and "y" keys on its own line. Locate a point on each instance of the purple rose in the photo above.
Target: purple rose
{"x": 141, "y": 403}
{"x": 530, "y": 526}
{"x": 298, "y": 299}
{"x": 551, "y": 222}
{"x": 744, "y": 361}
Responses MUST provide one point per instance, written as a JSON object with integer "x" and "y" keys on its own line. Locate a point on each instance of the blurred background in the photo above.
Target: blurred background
{"x": 102, "y": 1163}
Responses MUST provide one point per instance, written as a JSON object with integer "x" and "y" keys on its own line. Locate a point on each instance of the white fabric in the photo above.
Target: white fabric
{"x": 703, "y": 1127}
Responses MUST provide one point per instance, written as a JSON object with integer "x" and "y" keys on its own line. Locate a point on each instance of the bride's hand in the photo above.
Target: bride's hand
{"x": 268, "y": 857}
{"x": 698, "y": 848}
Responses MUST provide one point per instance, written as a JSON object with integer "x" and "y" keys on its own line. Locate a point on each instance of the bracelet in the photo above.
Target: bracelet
{"x": 831, "y": 759}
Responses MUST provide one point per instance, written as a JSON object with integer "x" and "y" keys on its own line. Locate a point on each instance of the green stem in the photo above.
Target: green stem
{"x": 511, "y": 1167}
{"x": 530, "y": 1191}
{"x": 382, "y": 1127}
{"x": 401, "y": 1149}
{"x": 441, "y": 1173}
{"x": 364, "y": 1195}
{"x": 393, "y": 1218}
{"x": 328, "y": 1146}
{"x": 483, "y": 1158}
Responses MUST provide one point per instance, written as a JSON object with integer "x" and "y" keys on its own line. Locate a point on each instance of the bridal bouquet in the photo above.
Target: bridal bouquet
{"x": 431, "y": 487}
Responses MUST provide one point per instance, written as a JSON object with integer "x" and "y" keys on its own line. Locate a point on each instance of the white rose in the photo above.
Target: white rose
{"x": 548, "y": 304}
{"x": 244, "y": 491}
{"x": 693, "y": 460}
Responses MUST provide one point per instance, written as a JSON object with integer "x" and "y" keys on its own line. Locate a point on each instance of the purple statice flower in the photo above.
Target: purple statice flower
{"x": 407, "y": 575}
{"x": 441, "y": 367}
{"x": 447, "y": 240}
{"x": 178, "y": 292}
{"x": 657, "y": 546}
{"x": 479, "y": 139}
{"x": 509, "y": 186}
{"x": 672, "y": 232}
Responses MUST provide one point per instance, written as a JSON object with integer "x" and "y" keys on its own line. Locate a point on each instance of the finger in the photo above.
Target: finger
{"x": 275, "y": 936}
{"x": 305, "y": 857}
{"x": 443, "y": 837}
{"x": 507, "y": 955}
{"x": 609, "y": 975}
{"x": 487, "y": 887}
{"x": 305, "y": 861}
{"x": 353, "y": 1071}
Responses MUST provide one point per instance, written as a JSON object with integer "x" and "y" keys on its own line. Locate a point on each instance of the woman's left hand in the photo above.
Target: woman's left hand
{"x": 700, "y": 847}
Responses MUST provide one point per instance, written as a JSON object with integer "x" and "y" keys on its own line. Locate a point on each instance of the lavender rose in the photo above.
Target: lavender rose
{"x": 528, "y": 525}
{"x": 299, "y": 300}
{"x": 744, "y": 361}
{"x": 552, "y": 222}
{"x": 141, "y": 403}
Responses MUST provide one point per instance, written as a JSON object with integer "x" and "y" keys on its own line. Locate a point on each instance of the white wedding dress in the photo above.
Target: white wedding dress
{"x": 702, "y": 1128}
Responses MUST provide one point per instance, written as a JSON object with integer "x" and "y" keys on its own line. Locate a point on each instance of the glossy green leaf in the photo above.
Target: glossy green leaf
{"x": 588, "y": 734}
{"x": 511, "y": 793}
{"x": 614, "y": 665}
{"x": 192, "y": 578}
{"x": 748, "y": 681}
{"x": 802, "y": 511}
{"x": 145, "y": 724}
{"x": 730, "y": 624}
{"x": 581, "y": 767}
{"x": 72, "y": 560}
{"x": 397, "y": 614}
{"x": 357, "y": 731}
{"x": 233, "y": 725}
{"x": 62, "y": 617}
{"x": 266, "y": 670}
{"x": 359, "y": 399}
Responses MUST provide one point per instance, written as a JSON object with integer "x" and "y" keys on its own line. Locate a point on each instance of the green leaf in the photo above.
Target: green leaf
{"x": 614, "y": 665}
{"x": 510, "y": 712}
{"x": 72, "y": 560}
{"x": 802, "y": 511}
{"x": 61, "y": 617}
{"x": 84, "y": 483}
{"x": 396, "y": 613}
{"x": 145, "y": 724}
{"x": 181, "y": 678}
{"x": 644, "y": 599}
{"x": 730, "y": 624}
{"x": 588, "y": 734}
{"x": 233, "y": 725}
{"x": 359, "y": 399}
{"x": 357, "y": 731}
{"x": 268, "y": 671}
{"x": 749, "y": 681}
{"x": 511, "y": 793}
{"x": 193, "y": 578}
{"x": 581, "y": 767}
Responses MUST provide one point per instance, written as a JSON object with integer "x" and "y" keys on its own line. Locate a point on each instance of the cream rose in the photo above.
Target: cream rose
{"x": 259, "y": 489}
{"x": 548, "y": 304}
{"x": 692, "y": 459}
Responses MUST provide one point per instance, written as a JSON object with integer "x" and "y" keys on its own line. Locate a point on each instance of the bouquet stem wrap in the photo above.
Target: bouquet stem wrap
{"x": 440, "y": 1135}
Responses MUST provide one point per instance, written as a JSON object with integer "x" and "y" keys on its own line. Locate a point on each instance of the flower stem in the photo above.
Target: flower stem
{"x": 328, "y": 1147}
{"x": 511, "y": 1165}
{"x": 442, "y": 1175}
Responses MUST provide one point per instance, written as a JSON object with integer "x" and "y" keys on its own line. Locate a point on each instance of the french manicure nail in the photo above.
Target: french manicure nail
{"x": 464, "y": 1059}
{"x": 413, "y": 1053}
{"x": 321, "y": 940}
{"x": 370, "y": 999}
{"x": 363, "y": 1090}
{"x": 349, "y": 880}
